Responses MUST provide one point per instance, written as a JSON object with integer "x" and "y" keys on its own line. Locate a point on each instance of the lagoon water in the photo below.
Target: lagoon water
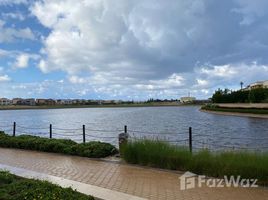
{"x": 165, "y": 123}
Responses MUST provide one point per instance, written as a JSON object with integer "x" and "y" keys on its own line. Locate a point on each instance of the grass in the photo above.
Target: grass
{"x": 15, "y": 188}
{"x": 261, "y": 111}
{"x": 163, "y": 155}
{"x": 89, "y": 149}
{"x": 155, "y": 154}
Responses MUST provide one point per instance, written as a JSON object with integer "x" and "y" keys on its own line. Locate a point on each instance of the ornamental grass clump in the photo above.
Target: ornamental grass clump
{"x": 246, "y": 164}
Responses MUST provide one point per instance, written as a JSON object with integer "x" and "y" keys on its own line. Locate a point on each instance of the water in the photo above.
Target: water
{"x": 167, "y": 123}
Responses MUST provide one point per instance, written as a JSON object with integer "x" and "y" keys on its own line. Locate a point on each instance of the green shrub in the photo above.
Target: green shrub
{"x": 13, "y": 187}
{"x": 89, "y": 149}
{"x": 94, "y": 149}
{"x": 6, "y": 178}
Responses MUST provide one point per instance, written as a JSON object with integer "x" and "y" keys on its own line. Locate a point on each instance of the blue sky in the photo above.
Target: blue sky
{"x": 134, "y": 49}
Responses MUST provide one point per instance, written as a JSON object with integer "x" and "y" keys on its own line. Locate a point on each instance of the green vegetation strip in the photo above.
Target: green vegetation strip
{"x": 89, "y": 149}
{"x": 259, "y": 95}
{"x": 13, "y": 187}
{"x": 163, "y": 155}
{"x": 261, "y": 111}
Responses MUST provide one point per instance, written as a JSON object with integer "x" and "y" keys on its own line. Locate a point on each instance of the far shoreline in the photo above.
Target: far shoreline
{"x": 236, "y": 114}
{"x": 2, "y": 108}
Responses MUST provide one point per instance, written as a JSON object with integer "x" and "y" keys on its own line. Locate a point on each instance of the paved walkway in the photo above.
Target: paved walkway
{"x": 138, "y": 181}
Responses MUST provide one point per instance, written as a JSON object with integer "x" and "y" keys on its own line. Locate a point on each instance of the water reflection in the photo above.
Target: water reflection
{"x": 171, "y": 123}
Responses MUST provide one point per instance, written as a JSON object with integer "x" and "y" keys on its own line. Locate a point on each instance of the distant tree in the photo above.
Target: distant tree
{"x": 217, "y": 96}
{"x": 253, "y": 96}
{"x": 226, "y": 91}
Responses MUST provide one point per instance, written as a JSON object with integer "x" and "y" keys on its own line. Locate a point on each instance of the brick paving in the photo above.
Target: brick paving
{"x": 138, "y": 181}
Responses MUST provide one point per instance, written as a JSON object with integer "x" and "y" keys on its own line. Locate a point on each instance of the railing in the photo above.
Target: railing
{"x": 198, "y": 141}
{"x": 51, "y": 132}
{"x": 187, "y": 138}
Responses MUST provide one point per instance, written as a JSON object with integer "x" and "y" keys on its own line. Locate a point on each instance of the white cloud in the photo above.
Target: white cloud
{"x": 8, "y": 34}
{"x": 199, "y": 84}
{"x": 127, "y": 37}
{"x": 229, "y": 76}
{"x": 76, "y": 79}
{"x": 149, "y": 48}
{"x": 10, "y": 2}
{"x": 42, "y": 66}
{"x": 22, "y": 61}
{"x": 15, "y": 15}
{"x": 139, "y": 49}
{"x": 4, "y": 78}
{"x": 206, "y": 92}
{"x": 171, "y": 82}
{"x": 202, "y": 82}
{"x": 224, "y": 71}
{"x": 3, "y": 53}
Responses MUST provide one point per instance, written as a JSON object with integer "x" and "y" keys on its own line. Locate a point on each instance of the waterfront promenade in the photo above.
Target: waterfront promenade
{"x": 114, "y": 180}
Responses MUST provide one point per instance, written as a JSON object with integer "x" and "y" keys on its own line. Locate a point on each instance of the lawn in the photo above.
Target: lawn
{"x": 16, "y": 188}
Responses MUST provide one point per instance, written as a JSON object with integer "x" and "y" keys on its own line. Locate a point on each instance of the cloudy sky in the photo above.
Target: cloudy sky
{"x": 130, "y": 49}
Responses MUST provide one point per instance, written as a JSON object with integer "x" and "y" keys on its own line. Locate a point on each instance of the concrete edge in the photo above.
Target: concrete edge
{"x": 95, "y": 191}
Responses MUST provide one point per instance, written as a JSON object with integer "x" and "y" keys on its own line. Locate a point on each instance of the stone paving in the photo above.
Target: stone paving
{"x": 138, "y": 181}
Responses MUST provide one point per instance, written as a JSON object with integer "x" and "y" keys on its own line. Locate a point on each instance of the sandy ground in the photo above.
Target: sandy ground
{"x": 243, "y": 105}
{"x": 236, "y": 114}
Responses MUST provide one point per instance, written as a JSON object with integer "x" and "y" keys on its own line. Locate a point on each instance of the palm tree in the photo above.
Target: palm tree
{"x": 241, "y": 84}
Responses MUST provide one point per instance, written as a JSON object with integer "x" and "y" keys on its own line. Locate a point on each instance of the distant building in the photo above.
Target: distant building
{"x": 45, "y": 102}
{"x": 28, "y": 102}
{"x": 20, "y": 101}
{"x": 118, "y": 101}
{"x": 93, "y": 102}
{"x": 187, "y": 99}
{"x": 16, "y": 101}
{"x": 5, "y": 102}
{"x": 50, "y": 102}
{"x": 78, "y": 101}
{"x": 64, "y": 101}
{"x": 257, "y": 85}
{"x": 40, "y": 101}
{"x": 108, "y": 102}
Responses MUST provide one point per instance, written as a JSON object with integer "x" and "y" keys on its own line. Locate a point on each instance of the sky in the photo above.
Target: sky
{"x": 130, "y": 49}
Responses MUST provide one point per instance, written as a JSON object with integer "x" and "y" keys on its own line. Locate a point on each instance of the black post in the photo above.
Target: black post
{"x": 190, "y": 139}
{"x": 14, "y": 129}
{"x": 50, "y": 131}
{"x": 84, "y": 134}
{"x": 123, "y": 139}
